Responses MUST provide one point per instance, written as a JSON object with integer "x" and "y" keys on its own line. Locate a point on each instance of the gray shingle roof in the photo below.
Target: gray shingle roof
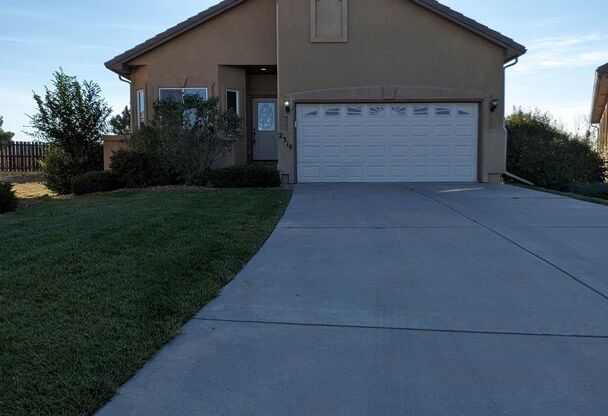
{"x": 117, "y": 64}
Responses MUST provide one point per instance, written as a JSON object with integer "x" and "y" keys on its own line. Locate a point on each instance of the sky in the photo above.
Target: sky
{"x": 566, "y": 40}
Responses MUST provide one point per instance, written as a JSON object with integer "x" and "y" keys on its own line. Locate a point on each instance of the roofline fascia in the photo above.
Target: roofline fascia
{"x": 594, "y": 101}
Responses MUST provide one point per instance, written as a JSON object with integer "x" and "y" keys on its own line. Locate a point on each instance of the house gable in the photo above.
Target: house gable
{"x": 118, "y": 64}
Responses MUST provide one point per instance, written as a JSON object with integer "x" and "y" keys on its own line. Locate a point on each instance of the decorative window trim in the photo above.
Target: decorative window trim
{"x": 332, "y": 111}
{"x": 238, "y": 100}
{"x": 342, "y": 38}
{"x": 310, "y": 111}
{"x": 421, "y": 111}
{"x": 354, "y": 111}
{"x": 399, "y": 111}
{"x": 443, "y": 111}
{"x": 465, "y": 111}
{"x": 377, "y": 111}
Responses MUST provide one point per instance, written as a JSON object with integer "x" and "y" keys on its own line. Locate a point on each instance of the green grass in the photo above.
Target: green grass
{"x": 92, "y": 287}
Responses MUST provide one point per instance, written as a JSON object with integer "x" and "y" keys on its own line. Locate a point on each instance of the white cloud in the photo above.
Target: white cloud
{"x": 24, "y": 40}
{"x": 549, "y": 21}
{"x": 563, "y": 52}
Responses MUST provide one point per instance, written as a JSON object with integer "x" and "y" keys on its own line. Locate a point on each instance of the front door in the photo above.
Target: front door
{"x": 265, "y": 134}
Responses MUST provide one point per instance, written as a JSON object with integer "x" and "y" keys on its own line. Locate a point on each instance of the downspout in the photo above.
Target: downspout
{"x": 513, "y": 63}
{"x": 127, "y": 81}
{"x": 507, "y": 173}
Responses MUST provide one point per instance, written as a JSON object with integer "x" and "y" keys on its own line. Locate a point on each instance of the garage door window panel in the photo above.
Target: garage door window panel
{"x": 421, "y": 111}
{"x": 354, "y": 112}
{"x": 398, "y": 111}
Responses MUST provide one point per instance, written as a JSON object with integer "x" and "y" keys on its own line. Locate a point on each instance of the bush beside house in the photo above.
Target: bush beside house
{"x": 547, "y": 155}
{"x": 137, "y": 169}
{"x": 180, "y": 145}
{"x": 8, "y": 200}
{"x": 592, "y": 190}
{"x": 95, "y": 181}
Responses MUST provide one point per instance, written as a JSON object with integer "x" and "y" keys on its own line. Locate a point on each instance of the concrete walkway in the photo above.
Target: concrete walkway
{"x": 401, "y": 300}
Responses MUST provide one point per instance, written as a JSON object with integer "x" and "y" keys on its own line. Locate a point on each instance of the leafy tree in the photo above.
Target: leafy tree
{"x": 121, "y": 123}
{"x": 5, "y": 136}
{"x": 72, "y": 116}
{"x": 540, "y": 150}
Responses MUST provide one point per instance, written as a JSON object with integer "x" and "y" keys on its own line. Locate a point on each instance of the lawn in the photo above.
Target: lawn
{"x": 92, "y": 287}
{"x": 27, "y": 186}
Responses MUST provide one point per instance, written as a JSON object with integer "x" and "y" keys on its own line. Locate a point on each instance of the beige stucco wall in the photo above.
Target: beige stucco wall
{"x": 112, "y": 144}
{"x": 235, "y": 78}
{"x": 244, "y": 35}
{"x": 398, "y": 45}
{"x": 602, "y": 144}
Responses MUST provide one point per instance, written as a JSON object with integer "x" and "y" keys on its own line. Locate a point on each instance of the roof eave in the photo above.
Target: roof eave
{"x": 599, "y": 100}
{"x": 512, "y": 54}
{"x": 119, "y": 63}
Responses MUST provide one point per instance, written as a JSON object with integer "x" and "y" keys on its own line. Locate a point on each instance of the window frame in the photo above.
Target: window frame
{"x": 183, "y": 90}
{"x": 238, "y": 100}
{"x": 140, "y": 99}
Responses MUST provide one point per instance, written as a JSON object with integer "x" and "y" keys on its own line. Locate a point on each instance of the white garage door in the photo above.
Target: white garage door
{"x": 387, "y": 142}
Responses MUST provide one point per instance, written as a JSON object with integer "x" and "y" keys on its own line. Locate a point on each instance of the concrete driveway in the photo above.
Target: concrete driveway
{"x": 382, "y": 299}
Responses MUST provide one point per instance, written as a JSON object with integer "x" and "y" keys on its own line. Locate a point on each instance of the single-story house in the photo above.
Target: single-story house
{"x": 340, "y": 90}
{"x": 599, "y": 110}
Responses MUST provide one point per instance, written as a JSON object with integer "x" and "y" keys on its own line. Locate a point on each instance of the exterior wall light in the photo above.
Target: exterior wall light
{"x": 493, "y": 105}
{"x": 287, "y": 105}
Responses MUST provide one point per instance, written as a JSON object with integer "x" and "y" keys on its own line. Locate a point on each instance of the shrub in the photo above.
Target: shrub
{"x": 95, "y": 181}
{"x": 188, "y": 137}
{"x": 179, "y": 146}
{"x": 8, "y": 200}
{"x": 593, "y": 190}
{"x": 136, "y": 169}
{"x": 542, "y": 152}
{"x": 249, "y": 176}
{"x": 71, "y": 115}
{"x": 56, "y": 168}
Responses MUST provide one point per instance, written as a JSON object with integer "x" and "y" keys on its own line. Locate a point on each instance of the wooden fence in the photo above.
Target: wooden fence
{"x": 22, "y": 156}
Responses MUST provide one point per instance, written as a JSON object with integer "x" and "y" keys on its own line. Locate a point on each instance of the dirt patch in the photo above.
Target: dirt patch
{"x": 27, "y": 187}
